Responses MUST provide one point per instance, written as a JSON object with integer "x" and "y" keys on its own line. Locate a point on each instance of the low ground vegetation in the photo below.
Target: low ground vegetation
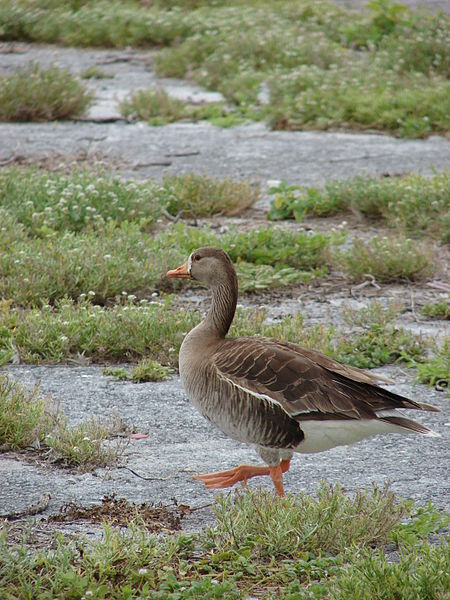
{"x": 132, "y": 330}
{"x": 37, "y": 94}
{"x": 297, "y": 547}
{"x": 60, "y": 302}
{"x": 29, "y": 421}
{"x": 316, "y": 66}
{"x": 411, "y": 204}
{"x": 49, "y": 219}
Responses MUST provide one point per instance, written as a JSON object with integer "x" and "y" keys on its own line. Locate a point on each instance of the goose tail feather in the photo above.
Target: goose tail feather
{"x": 410, "y": 425}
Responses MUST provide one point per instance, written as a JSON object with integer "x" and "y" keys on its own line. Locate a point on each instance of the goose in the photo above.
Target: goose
{"x": 275, "y": 395}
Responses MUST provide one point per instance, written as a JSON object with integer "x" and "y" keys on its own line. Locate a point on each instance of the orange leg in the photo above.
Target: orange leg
{"x": 243, "y": 473}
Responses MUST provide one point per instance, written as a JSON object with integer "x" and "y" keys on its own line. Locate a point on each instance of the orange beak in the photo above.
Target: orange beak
{"x": 180, "y": 273}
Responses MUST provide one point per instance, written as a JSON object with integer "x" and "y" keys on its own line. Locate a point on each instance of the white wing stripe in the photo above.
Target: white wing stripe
{"x": 254, "y": 394}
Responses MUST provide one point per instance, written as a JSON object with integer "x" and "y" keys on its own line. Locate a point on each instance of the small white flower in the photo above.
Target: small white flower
{"x": 63, "y": 338}
{"x": 142, "y": 571}
{"x": 91, "y": 293}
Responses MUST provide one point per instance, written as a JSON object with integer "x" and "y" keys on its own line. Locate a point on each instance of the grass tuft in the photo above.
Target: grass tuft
{"x": 202, "y": 196}
{"x": 37, "y": 94}
{"x": 438, "y": 310}
{"x": 155, "y": 106}
{"x": 24, "y": 416}
{"x": 299, "y": 523}
{"x": 435, "y": 371}
{"x": 421, "y": 573}
{"x": 146, "y": 370}
{"x": 381, "y": 342}
{"x": 389, "y": 259}
{"x": 26, "y": 419}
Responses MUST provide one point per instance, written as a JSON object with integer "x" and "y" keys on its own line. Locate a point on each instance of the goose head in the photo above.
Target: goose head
{"x": 210, "y": 266}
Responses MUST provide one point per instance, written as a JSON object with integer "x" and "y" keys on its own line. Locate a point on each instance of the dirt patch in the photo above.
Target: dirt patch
{"x": 156, "y": 518}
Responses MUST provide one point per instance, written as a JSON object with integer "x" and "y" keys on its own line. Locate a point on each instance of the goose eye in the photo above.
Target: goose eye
{"x": 197, "y": 257}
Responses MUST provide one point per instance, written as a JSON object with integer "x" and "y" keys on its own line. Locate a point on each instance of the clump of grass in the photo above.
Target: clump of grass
{"x": 420, "y": 573}
{"x": 46, "y": 202}
{"x": 125, "y": 332}
{"x": 24, "y": 416}
{"x": 203, "y": 196}
{"x": 412, "y": 203}
{"x": 94, "y": 72}
{"x": 83, "y": 446}
{"x": 146, "y": 370}
{"x": 155, "y": 106}
{"x": 438, "y": 310}
{"x": 37, "y": 94}
{"x": 388, "y": 259}
{"x": 381, "y": 342}
{"x": 280, "y": 247}
{"x": 253, "y": 278}
{"x": 423, "y": 521}
{"x": 300, "y": 523}
{"x": 435, "y": 371}
{"x": 28, "y": 419}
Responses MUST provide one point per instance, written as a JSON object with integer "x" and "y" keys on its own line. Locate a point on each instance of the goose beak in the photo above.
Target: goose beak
{"x": 180, "y": 273}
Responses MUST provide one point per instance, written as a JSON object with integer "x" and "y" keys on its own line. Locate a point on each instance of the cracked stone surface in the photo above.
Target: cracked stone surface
{"x": 180, "y": 441}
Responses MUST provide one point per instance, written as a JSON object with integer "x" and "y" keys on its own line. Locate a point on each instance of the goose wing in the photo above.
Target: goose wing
{"x": 304, "y": 383}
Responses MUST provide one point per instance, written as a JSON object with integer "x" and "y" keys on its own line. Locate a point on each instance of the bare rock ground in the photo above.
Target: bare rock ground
{"x": 180, "y": 442}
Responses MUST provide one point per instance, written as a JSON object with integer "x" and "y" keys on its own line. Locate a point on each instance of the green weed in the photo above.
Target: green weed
{"x": 94, "y": 72}
{"x": 438, "y": 310}
{"x": 37, "y": 94}
{"x": 411, "y": 203}
{"x": 155, "y": 106}
{"x": 421, "y": 573}
{"x": 380, "y": 342}
{"x": 146, "y": 370}
{"x": 389, "y": 259}
{"x": 27, "y": 419}
{"x": 299, "y": 524}
{"x": 424, "y": 520}
{"x": 435, "y": 371}
{"x": 24, "y": 416}
{"x": 279, "y": 247}
{"x": 254, "y": 278}
{"x": 380, "y": 345}
{"x": 203, "y": 196}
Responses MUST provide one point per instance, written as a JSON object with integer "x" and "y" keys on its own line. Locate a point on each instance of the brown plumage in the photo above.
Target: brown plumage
{"x": 276, "y": 395}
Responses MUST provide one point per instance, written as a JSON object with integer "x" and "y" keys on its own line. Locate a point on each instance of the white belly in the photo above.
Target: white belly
{"x": 323, "y": 435}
